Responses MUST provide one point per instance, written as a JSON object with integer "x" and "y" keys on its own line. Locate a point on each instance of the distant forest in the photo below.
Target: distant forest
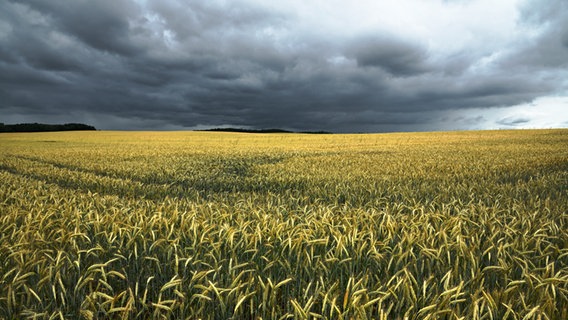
{"x": 262, "y": 130}
{"x": 41, "y": 127}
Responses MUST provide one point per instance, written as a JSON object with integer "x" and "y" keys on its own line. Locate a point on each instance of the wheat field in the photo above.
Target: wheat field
{"x": 212, "y": 225}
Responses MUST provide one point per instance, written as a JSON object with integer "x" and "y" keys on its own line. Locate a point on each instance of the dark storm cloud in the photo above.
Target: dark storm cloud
{"x": 174, "y": 64}
{"x": 102, "y": 25}
{"x": 393, "y": 55}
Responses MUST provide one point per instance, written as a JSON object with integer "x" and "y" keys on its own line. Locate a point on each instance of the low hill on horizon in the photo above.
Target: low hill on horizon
{"x": 271, "y": 130}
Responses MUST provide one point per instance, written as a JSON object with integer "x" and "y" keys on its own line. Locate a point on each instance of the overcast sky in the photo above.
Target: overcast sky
{"x": 342, "y": 66}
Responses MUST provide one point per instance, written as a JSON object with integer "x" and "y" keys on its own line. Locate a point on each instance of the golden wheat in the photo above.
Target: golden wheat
{"x": 188, "y": 225}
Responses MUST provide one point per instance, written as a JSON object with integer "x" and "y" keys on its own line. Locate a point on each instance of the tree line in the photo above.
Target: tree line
{"x": 42, "y": 127}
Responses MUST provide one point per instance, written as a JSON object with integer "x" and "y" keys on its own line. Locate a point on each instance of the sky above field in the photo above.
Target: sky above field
{"x": 342, "y": 66}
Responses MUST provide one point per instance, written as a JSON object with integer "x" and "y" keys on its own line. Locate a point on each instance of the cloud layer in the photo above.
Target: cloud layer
{"x": 388, "y": 66}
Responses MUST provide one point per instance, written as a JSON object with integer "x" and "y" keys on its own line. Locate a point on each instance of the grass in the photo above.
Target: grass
{"x": 213, "y": 225}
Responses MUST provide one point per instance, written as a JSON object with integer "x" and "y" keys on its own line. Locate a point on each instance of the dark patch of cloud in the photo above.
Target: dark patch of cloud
{"x": 470, "y": 121}
{"x": 102, "y": 25}
{"x": 513, "y": 121}
{"x": 395, "y": 56}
